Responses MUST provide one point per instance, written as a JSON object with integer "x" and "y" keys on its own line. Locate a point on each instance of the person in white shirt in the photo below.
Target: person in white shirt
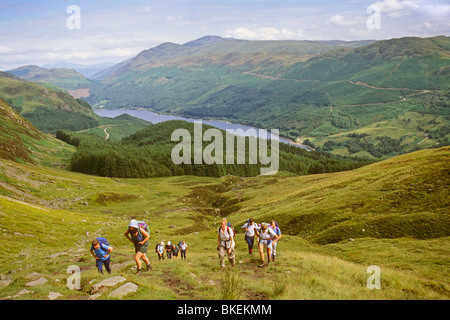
{"x": 183, "y": 249}
{"x": 274, "y": 226}
{"x": 225, "y": 243}
{"x": 266, "y": 236}
{"x": 159, "y": 249}
{"x": 249, "y": 228}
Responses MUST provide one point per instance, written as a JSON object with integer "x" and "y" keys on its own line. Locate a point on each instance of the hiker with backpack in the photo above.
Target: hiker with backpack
{"x": 225, "y": 243}
{"x": 176, "y": 250}
{"x": 169, "y": 250}
{"x": 249, "y": 228}
{"x": 101, "y": 250}
{"x": 274, "y": 226}
{"x": 266, "y": 237}
{"x": 183, "y": 249}
{"x": 139, "y": 234}
{"x": 159, "y": 249}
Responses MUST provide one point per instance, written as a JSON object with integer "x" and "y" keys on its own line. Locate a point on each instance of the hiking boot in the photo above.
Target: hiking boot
{"x": 261, "y": 265}
{"x": 139, "y": 272}
{"x": 149, "y": 267}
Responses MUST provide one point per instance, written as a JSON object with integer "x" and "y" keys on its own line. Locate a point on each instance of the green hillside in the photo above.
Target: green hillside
{"x": 21, "y": 141}
{"x": 61, "y": 77}
{"x": 413, "y": 63}
{"x": 48, "y": 109}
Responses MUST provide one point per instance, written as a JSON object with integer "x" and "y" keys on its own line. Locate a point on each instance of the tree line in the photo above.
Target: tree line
{"x": 147, "y": 153}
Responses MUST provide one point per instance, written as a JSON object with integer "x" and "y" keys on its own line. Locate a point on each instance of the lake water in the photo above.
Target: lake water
{"x": 157, "y": 118}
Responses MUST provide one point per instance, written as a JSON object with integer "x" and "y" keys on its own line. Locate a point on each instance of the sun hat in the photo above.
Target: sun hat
{"x": 133, "y": 224}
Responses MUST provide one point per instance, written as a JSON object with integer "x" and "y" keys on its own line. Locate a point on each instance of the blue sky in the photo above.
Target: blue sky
{"x": 35, "y": 32}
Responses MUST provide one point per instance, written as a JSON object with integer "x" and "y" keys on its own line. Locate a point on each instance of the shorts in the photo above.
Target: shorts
{"x": 267, "y": 243}
{"x": 141, "y": 248}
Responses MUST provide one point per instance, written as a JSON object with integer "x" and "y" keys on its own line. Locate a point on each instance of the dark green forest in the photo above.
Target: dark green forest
{"x": 147, "y": 153}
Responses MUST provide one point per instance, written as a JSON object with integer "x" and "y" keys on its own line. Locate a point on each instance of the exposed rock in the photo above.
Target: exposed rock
{"x": 37, "y": 282}
{"x": 54, "y": 295}
{"x": 110, "y": 282}
{"x": 56, "y": 255}
{"x": 124, "y": 290}
{"x": 4, "y": 283}
{"x": 117, "y": 266}
{"x": 20, "y": 293}
{"x": 33, "y": 276}
{"x": 5, "y": 280}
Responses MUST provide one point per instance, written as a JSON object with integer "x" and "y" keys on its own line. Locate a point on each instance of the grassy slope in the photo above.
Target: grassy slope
{"x": 28, "y": 95}
{"x": 21, "y": 141}
{"x": 60, "y": 206}
{"x": 61, "y": 77}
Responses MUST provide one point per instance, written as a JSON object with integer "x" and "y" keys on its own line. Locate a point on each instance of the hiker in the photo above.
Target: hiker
{"x": 102, "y": 254}
{"x": 139, "y": 237}
{"x": 176, "y": 250}
{"x": 159, "y": 249}
{"x": 183, "y": 249}
{"x": 274, "y": 226}
{"x": 169, "y": 249}
{"x": 225, "y": 243}
{"x": 249, "y": 228}
{"x": 266, "y": 236}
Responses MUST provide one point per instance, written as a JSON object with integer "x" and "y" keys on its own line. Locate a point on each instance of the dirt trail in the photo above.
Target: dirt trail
{"x": 356, "y": 83}
{"x": 106, "y": 132}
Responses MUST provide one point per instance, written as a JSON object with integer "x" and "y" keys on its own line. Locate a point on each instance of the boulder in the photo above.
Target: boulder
{"x": 124, "y": 290}
{"x": 54, "y": 295}
{"x": 37, "y": 282}
{"x": 110, "y": 282}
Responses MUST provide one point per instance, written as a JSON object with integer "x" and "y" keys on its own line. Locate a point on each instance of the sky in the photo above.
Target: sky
{"x": 91, "y": 32}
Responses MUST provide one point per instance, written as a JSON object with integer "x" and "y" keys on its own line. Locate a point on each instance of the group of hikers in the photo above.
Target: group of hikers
{"x": 171, "y": 249}
{"x": 268, "y": 236}
{"x": 138, "y": 233}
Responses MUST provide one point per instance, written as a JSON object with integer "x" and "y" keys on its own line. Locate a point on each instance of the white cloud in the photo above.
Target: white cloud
{"x": 340, "y": 21}
{"x": 5, "y": 49}
{"x": 427, "y": 25}
{"x": 442, "y": 10}
{"x": 264, "y": 33}
{"x": 397, "y": 8}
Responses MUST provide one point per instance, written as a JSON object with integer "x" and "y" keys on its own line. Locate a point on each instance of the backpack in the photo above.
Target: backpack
{"x": 176, "y": 249}
{"x": 228, "y": 228}
{"x": 145, "y": 227}
{"x": 103, "y": 240}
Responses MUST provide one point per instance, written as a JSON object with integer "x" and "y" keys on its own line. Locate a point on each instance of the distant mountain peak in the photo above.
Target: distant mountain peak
{"x": 203, "y": 41}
